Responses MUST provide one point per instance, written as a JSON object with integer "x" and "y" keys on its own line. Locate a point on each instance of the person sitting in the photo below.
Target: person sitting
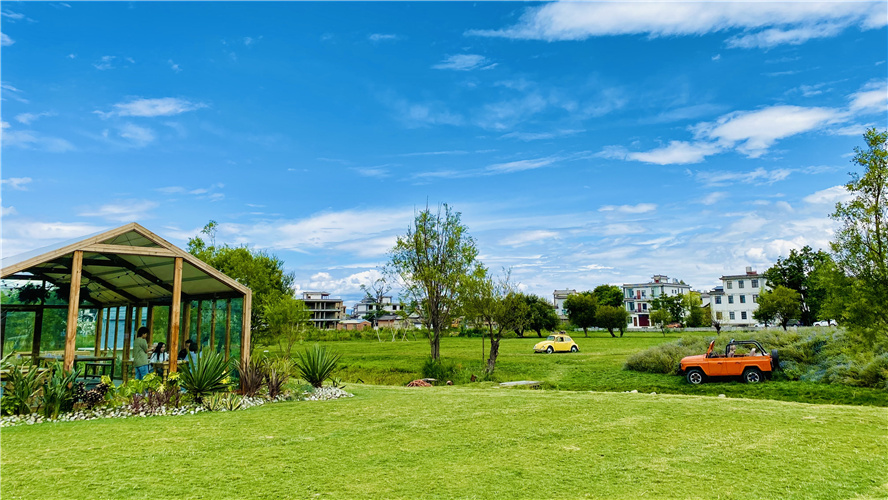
{"x": 731, "y": 351}
{"x": 192, "y": 352}
{"x": 183, "y": 352}
{"x": 752, "y": 352}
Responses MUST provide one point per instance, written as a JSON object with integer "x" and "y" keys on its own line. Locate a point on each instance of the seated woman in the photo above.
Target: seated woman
{"x": 158, "y": 355}
{"x": 183, "y": 352}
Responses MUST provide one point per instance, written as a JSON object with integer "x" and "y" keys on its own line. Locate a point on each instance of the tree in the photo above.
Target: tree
{"x": 673, "y": 304}
{"x": 660, "y": 318}
{"x": 286, "y": 317}
{"x": 581, "y": 310}
{"x": 262, "y": 272}
{"x": 778, "y": 306}
{"x": 611, "y": 317}
{"x": 861, "y": 244}
{"x": 691, "y": 303}
{"x": 375, "y": 291}
{"x": 497, "y": 306}
{"x": 540, "y": 315}
{"x": 608, "y": 295}
{"x": 797, "y": 273}
{"x": 433, "y": 261}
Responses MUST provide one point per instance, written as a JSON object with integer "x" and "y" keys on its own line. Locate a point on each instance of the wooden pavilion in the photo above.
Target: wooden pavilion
{"x": 128, "y": 267}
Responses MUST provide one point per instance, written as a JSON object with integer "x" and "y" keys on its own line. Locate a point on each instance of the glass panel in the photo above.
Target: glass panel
{"x": 19, "y": 334}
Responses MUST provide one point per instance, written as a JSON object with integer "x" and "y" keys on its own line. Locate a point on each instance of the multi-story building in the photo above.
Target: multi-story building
{"x": 638, "y": 296}
{"x": 325, "y": 312}
{"x": 559, "y": 297}
{"x": 368, "y": 304}
{"x": 734, "y": 302}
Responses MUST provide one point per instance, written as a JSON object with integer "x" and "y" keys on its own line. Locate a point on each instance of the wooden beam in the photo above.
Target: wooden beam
{"x": 154, "y": 280}
{"x": 97, "y": 345}
{"x": 111, "y": 288}
{"x": 174, "y": 314}
{"x": 213, "y": 327}
{"x": 127, "y": 338}
{"x": 186, "y": 326}
{"x": 103, "y": 248}
{"x": 73, "y": 309}
{"x": 40, "y": 274}
{"x": 150, "y": 324}
{"x": 116, "y": 328}
{"x": 245, "y": 327}
{"x": 227, "y": 329}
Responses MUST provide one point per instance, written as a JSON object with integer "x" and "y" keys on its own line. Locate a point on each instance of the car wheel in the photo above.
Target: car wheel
{"x": 696, "y": 376}
{"x": 752, "y": 375}
{"x": 573, "y": 348}
{"x": 775, "y": 360}
{"x": 549, "y": 350}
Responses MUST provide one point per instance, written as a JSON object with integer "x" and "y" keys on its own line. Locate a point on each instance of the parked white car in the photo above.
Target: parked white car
{"x": 831, "y": 322}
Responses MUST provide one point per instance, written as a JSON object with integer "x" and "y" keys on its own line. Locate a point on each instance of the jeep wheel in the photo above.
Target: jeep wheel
{"x": 573, "y": 348}
{"x": 696, "y": 376}
{"x": 775, "y": 360}
{"x": 752, "y": 375}
{"x": 549, "y": 350}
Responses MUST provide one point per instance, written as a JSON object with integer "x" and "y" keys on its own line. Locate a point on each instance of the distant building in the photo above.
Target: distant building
{"x": 352, "y": 324}
{"x": 325, "y": 312}
{"x": 734, "y": 302}
{"x": 368, "y": 305}
{"x": 637, "y": 297}
{"x": 559, "y": 296}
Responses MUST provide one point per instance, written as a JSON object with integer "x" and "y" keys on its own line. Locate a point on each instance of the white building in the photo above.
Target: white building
{"x": 368, "y": 304}
{"x": 733, "y": 302}
{"x": 325, "y": 312}
{"x": 559, "y": 296}
{"x": 638, "y": 296}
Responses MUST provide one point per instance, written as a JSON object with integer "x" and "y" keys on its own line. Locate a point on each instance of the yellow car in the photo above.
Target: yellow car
{"x": 558, "y": 342}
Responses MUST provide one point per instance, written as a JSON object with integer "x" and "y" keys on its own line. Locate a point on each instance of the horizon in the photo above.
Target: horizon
{"x": 583, "y": 143}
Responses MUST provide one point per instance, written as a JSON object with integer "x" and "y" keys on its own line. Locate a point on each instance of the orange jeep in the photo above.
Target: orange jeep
{"x": 746, "y": 359}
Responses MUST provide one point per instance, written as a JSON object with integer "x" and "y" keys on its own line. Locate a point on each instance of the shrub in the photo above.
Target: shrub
{"x": 223, "y": 401}
{"x": 58, "y": 391}
{"x": 251, "y": 373}
{"x": 316, "y": 365}
{"x": 24, "y": 385}
{"x": 205, "y": 376}
{"x": 439, "y": 369}
{"x": 277, "y": 372}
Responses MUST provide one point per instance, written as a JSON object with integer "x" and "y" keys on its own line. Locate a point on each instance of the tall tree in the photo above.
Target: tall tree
{"x": 608, "y": 295}
{"x": 541, "y": 314}
{"x": 286, "y": 317}
{"x": 495, "y": 304}
{"x": 694, "y": 313}
{"x": 861, "y": 244}
{"x": 673, "y": 304}
{"x": 797, "y": 272}
{"x": 433, "y": 261}
{"x": 581, "y": 309}
{"x": 262, "y": 272}
{"x": 375, "y": 291}
{"x": 778, "y": 306}
{"x": 611, "y": 317}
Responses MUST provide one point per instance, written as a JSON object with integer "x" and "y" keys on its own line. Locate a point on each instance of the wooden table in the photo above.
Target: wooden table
{"x": 90, "y": 362}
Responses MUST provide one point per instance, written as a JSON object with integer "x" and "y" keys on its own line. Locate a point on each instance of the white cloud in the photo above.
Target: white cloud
{"x": 136, "y": 135}
{"x": 122, "y": 211}
{"x": 173, "y": 66}
{"x": 526, "y": 237}
{"x": 464, "y": 62}
{"x": 714, "y": 197}
{"x": 778, "y": 22}
{"x": 641, "y": 208}
{"x": 380, "y": 37}
{"x": 873, "y": 97}
{"x": 378, "y": 172}
{"x": 28, "y": 118}
{"x": 166, "y": 106}
{"x": 520, "y": 165}
{"x": 753, "y": 132}
{"x": 530, "y": 136}
{"x": 421, "y": 114}
{"x": 5, "y": 211}
{"x": 14, "y": 16}
{"x": 677, "y": 152}
{"x": 105, "y": 63}
{"x": 5, "y": 41}
{"x": 757, "y": 176}
{"x": 17, "y": 183}
{"x": 28, "y": 139}
{"x": 829, "y": 196}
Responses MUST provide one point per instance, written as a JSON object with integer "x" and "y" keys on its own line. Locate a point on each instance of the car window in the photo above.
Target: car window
{"x": 550, "y": 337}
{"x": 559, "y": 339}
{"x": 568, "y": 339}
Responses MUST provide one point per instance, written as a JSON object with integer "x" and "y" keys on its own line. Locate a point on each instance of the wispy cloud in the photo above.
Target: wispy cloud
{"x": 640, "y": 208}
{"x": 676, "y": 153}
{"x": 520, "y": 165}
{"x": 757, "y": 176}
{"x": 165, "y": 106}
{"x": 122, "y": 211}
{"x": 829, "y": 196}
{"x": 465, "y": 62}
{"x": 537, "y": 136}
{"x": 765, "y": 24}
{"x": 421, "y": 114}
{"x": 173, "y": 66}
{"x": 714, "y": 197}
{"x": 17, "y": 183}
{"x": 5, "y": 41}
{"x": 210, "y": 193}
{"x": 29, "y": 139}
{"x": 527, "y": 237}
{"x": 872, "y": 98}
{"x": 137, "y": 136}
{"x": 383, "y": 37}
{"x": 28, "y": 118}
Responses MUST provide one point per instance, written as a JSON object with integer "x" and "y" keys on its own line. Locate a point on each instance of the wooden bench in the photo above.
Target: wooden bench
{"x": 533, "y": 384}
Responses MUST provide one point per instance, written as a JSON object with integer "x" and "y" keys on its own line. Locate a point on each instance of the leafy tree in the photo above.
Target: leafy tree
{"x": 691, "y": 304}
{"x": 497, "y": 306}
{"x": 861, "y": 244}
{"x": 673, "y": 304}
{"x": 660, "y": 318}
{"x": 433, "y": 261}
{"x": 611, "y": 317}
{"x": 541, "y": 315}
{"x": 262, "y": 272}
{"x": 286, "y": 318}
{"x": 778, "y": 306}
{"x": 375, "y": 291}
{"x": 797, "y": 273}
{"x": 581, "y": 309}
{"x": 608, "y": 295}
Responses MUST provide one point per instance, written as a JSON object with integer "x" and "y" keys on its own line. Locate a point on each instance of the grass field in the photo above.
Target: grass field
{"x": 463, "y": 442}
{"x": 598, "y": 367}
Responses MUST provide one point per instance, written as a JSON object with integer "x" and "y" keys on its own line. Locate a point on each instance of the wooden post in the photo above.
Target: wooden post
{"x": 38, "y": 333}
{"x": 245, "y": 327}
{"x": 174, "y": 313}
{"x": 98, "y": 344}
{"x": 73, "y": 309}
{"x": 227, "y": 329}
{"x": 213, "y": 327}
{"x": 127, "y": 339}
{"x": 186, "y": 328}
{"x": 138, "y": 322}
{"x": 150, "y": 323}
{"x": 199, "y": 318}
{"x": 116, "y": 327}
{"x": 3, "y": 314}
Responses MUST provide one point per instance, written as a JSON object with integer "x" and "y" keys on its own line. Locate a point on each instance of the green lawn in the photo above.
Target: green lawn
{"x": 446, "y": 442}
{"x": 598, "y": 367}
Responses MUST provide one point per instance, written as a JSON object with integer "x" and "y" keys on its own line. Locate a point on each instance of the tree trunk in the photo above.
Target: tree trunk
{"x": 585, "y": 332}
{"x": 494, "y": 352}
{"x": 539, "y": 333}
{"x": 520, "y": 333}
{"x": 611, "y": 331}
{"x": 435, "y": 342}
{"x": 621, "y": 332}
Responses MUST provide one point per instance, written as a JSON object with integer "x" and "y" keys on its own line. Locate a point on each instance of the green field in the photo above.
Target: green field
{"x": 597, "y": 367}
{"x": 463, "y": 442}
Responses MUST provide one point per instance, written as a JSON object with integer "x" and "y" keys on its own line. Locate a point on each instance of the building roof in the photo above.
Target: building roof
{"x": 128, "y": 264}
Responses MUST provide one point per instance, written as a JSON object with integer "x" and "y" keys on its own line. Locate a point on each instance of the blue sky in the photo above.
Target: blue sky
{"x": 583, "y": 143}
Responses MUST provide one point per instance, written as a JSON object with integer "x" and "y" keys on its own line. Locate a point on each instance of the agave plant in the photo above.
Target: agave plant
{"x": 252, "y": 373}
{"x": 22, "y": 389}
{"x": 316, "y": 365}
{"x": 59, "y": 391}
{"x": 205, "y": 375}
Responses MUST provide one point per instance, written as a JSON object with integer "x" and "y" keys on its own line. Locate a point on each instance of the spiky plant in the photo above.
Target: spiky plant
{"x": 316, "y": 364}
{"x": 205, "y": 375}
